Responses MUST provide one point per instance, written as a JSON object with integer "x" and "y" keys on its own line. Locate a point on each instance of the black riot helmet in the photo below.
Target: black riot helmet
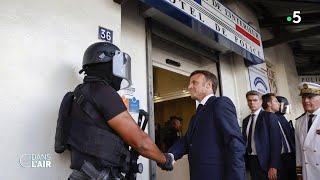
{"x": 284, "y": 105}
{"x": 103, "y": 53}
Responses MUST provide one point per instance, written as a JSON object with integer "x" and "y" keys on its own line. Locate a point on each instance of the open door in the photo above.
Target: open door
{"x": 172, "y": 66}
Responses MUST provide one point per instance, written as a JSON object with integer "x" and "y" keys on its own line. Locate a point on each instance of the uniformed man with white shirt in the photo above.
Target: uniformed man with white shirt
{"x": 308, "y": 133}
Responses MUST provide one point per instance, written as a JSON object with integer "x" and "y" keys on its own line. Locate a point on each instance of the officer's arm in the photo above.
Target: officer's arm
{"x": 124, "y": 125}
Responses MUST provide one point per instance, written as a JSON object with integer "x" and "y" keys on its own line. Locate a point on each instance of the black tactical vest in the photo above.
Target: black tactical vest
{"x": 92, "y": 137}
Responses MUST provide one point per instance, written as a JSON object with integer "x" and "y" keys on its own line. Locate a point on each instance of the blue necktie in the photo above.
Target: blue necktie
{"x": 310, "y": 121}
{"x": 249, "y": 148}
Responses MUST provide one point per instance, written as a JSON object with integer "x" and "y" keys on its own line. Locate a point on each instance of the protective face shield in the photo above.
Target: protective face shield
{"x": 121, "y": 67}
{"x": 285, "y": 107}
{"x": 104, "y": 52}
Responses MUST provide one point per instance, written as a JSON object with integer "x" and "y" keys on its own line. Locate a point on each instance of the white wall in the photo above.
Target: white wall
{"x": 282, "y": 60}
{"x": 189, "y": 61}
{"x": 42, "y": 43}
{"x": 235, "y": 82}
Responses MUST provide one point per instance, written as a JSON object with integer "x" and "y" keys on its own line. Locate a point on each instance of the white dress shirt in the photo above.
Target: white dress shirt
{"x": 253, "y": 144}
{"x": 205, "y": 99}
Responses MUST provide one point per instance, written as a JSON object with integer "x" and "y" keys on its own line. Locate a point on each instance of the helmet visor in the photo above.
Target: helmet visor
{"x": 285, "y": 108}
{"x": 121, "y": 67}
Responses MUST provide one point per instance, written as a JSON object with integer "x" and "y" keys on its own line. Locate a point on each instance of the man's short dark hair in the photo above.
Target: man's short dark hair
{"x": 209, "y": 77}
{"x": 267, "y": 98}
{"x": 171, "y": 120}
{"x": 175, "y": 117}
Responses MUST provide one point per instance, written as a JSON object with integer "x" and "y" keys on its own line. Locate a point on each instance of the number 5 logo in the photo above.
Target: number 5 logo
{"x": 296, "y": 17}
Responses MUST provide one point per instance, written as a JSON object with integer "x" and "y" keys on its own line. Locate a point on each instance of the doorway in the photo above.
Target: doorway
{"x": 172, "y": 102}
{"x": 171, "y": 67}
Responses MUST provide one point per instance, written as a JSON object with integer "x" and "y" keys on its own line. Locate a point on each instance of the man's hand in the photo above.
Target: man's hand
{"x": 173, "y": 162}
{"x": 168, "y": 165}
{"x": 272, "y": 174}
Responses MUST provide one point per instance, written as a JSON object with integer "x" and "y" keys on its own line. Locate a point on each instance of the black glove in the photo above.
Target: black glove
{"x": 168, "y": 164}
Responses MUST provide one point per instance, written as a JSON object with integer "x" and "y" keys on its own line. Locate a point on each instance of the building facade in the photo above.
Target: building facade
{"x": 42, "y": 47}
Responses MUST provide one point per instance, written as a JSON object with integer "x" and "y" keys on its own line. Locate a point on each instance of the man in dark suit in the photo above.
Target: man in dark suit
{"x": 213, "y": 141}
{"x": 288, "y": 168}
{"x": 261, "y": 133}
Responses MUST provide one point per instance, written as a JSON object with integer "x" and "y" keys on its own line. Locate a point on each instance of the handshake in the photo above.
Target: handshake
{"x": 168, "y": 165}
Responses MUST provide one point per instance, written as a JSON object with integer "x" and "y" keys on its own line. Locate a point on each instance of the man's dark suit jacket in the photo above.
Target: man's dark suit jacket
{"x": 267, "y": 138}
{"x": 288, "y": 165}
{"x": 213, "y": 143}
{"x": 289, "y": 132}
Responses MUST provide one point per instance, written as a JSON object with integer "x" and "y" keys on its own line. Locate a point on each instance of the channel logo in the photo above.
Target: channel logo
{"x": 35, "y": 161}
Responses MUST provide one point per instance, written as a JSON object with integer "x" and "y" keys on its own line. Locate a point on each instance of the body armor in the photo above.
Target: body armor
{"x": 91, "y": 135}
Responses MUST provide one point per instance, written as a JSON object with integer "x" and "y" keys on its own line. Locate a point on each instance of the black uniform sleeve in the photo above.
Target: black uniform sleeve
{"x": 108, "y": 101}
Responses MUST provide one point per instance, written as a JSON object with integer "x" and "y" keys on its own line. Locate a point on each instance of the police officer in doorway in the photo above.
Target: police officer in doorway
{"x": 103, "y": 139}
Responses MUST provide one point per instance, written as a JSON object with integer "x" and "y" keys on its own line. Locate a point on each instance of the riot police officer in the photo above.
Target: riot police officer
{"x": 102, "y": 138}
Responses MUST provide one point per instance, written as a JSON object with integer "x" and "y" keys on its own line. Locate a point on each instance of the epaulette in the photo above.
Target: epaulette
{"x": 301, "y": 115}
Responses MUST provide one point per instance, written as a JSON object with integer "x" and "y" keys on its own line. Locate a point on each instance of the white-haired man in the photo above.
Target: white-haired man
{"x": 308, "y": 133}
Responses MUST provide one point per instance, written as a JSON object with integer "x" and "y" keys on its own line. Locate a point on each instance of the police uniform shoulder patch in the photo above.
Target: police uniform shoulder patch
{"x": 301, "y": 115}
